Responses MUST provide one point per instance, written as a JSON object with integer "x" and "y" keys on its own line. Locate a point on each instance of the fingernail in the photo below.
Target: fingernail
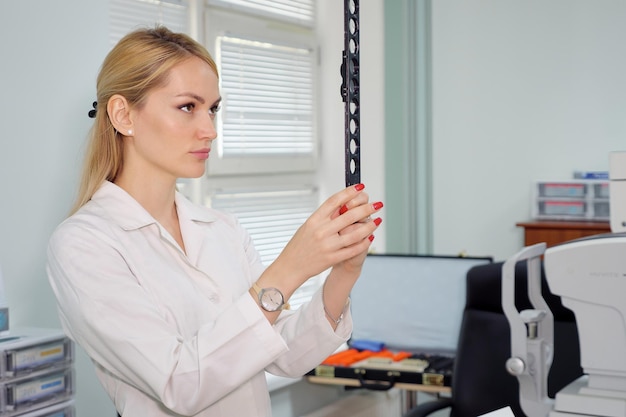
{"x": 378, "y": 221}
{"x": 343, "y": 209}
{"x": 371, "y": 238}
{"x": 378, "y": 205}
{"x": 359, "y": 187}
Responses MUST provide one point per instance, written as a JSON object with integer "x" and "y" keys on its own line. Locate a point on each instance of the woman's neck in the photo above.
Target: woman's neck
{"x": 158, "y": 199}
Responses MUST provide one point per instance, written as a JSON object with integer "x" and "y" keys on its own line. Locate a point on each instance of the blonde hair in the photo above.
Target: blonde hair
{"x": 140, "y": 62}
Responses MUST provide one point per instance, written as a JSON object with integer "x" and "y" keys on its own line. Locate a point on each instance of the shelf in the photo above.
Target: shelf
{"x": 554, "y": 232}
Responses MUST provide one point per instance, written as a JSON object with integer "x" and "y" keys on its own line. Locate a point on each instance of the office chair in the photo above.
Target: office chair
{"x": 480, "y": 383}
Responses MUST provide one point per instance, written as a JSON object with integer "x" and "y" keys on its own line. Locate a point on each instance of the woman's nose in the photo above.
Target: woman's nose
{"x": 208, "y": 130}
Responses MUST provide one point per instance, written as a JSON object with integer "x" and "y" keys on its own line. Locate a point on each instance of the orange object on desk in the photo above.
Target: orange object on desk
{"x": 350, "y": 356}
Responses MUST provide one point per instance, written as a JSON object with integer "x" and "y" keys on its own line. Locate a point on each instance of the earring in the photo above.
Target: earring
{"x": 130, "y": 132}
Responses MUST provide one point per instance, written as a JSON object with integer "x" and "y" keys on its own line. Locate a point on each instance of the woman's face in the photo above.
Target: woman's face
{"x": 174, "y": 129}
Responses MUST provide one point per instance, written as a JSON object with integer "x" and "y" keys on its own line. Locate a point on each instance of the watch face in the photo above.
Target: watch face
{"x": 271, "y": 299}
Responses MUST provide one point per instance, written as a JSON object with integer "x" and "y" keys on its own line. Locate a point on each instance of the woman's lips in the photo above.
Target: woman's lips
{"x": 201, "y": 153}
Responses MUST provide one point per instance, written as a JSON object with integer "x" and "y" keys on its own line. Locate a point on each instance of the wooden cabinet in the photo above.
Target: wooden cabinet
{"x": 553, "y": 232}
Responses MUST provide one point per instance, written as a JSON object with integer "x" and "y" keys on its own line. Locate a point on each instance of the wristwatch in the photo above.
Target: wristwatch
{"x": 271, "y": 299}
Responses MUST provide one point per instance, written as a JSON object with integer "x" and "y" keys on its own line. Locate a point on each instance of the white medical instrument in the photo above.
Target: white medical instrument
{"x": 589, "y": 275}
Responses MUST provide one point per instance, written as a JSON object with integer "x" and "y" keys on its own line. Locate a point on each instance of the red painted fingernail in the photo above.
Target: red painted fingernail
{"x": 371, "y": 238}
{"x": 378, "y": 221}
{"x": 343, "y": 209}
{"x": 378, "y": 205}
{"x": 359, "y": 187}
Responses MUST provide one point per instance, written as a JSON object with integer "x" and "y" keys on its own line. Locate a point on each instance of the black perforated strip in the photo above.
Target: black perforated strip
{"x": 350, "y": 92}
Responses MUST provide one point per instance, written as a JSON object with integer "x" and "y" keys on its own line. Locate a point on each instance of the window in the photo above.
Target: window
{"x": 267, "y": 81}
{"x": 269, "y": 92}
{"x": 264, "y": 169}
{"x": 268, "y": 107}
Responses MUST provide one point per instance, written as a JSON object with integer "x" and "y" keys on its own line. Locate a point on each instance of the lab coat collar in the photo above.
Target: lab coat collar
{"x": 125, "y": 211}
{"x": 189, "y": 211}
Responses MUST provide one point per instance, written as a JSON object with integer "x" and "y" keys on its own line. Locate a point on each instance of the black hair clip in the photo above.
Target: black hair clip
{"x": 92, "y": 113}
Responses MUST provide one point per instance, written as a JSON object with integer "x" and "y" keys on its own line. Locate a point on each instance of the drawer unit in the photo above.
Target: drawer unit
{"x": 35, "y": 391}
{"x": 571, "y": 200}
{"x": 36, "y": 373}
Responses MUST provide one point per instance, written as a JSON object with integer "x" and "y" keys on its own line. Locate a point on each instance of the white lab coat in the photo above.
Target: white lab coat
{"x": 173, "y": 333}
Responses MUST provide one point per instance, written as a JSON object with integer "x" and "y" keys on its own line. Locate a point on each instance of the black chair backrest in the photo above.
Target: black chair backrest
{"x": 480, "y": 383}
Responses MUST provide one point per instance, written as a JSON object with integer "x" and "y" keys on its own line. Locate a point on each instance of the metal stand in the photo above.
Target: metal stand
{"x": 350, "y": 92}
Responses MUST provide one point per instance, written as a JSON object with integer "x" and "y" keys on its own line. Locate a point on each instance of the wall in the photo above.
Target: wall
{"x": 51, "y": 53}
{"x": 522, "y": 91}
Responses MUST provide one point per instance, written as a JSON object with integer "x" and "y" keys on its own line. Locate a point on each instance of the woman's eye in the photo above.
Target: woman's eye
{"x": 213, "y": 110}
{"x": 187, "y": 107}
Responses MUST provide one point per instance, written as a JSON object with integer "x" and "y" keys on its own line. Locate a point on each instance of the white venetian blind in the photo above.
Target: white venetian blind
{"x": 128, "y": 15}
{"x": 268, "y": 99}
{"x": 297, "y": 11}
{"x": 271, "y": 216}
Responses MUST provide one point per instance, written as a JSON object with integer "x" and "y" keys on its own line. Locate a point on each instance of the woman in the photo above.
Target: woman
{"x": 170, "y": 299}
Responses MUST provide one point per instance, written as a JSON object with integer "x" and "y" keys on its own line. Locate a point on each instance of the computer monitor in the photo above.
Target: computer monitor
{"x": 412, "y": 302}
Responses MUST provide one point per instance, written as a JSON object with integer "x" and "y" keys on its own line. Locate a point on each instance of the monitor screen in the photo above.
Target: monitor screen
{"x": 411, "y": 302}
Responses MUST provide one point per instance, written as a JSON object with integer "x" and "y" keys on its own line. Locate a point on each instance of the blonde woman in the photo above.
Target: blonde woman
{"x": 170, "y": 299}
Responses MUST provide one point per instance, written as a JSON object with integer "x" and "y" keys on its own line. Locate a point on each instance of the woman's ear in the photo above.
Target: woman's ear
{"x": 119, "y": 114}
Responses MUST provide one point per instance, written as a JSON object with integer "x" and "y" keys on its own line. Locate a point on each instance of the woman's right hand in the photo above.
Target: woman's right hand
{"x": 331, "y": 235}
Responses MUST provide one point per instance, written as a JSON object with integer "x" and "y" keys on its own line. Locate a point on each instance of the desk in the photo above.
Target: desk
{"x": 554, "y": 232}
{"x": 350, "y": 382}
{"x": 409, "y": 397}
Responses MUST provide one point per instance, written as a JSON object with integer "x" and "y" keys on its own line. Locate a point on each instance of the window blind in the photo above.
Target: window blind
{"x": 128, "y": 15}
{"x": 271, "y": 216}
{"x": 297, "y": 11}
{"x": 268, "y": 99}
